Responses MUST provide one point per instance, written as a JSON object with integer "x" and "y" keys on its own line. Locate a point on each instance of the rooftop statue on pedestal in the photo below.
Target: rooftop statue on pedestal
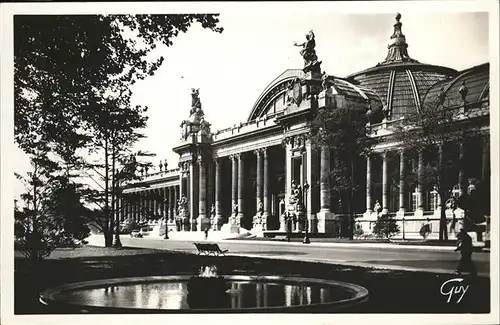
{"x": 398, "y": 48}
{"x": 196, "y": 112}
{"x": 196, "y": 118}
{"x": 311, "y": 62}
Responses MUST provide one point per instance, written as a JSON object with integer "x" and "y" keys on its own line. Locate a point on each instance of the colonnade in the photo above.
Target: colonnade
{"x": 420, "y": 189}
{"x": 160, "y": 203}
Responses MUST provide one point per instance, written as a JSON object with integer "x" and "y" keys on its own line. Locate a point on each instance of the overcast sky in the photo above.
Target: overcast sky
{"x": 231, "y": 69}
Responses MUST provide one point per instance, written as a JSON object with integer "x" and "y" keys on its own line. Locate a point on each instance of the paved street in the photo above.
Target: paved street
{"x": 442, "y": 260}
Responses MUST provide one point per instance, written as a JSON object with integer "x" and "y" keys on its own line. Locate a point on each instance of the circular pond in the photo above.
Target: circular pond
{"x": 179, "y": 294}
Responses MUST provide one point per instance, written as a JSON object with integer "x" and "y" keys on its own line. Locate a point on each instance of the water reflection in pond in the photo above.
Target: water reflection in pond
{"x": 174, "y": 295}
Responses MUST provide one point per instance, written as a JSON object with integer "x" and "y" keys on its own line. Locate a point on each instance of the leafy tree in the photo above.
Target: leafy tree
{"x": 72, "y": 89}
{"x": 385, "y": 227}
{"x": 54, "y": 214}
{"x": 431, "y": 132}
{"x": 343, "y": 131}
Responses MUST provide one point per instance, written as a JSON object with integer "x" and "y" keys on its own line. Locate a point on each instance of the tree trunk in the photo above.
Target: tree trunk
{"x": 443, "y": 229}
{"x": 108, "y": 221}
{"x": 113, "y": 189}
{"x": 108, "y": 238}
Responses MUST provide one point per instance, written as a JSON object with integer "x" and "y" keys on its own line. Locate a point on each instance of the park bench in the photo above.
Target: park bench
{"x": 208, "y": 249}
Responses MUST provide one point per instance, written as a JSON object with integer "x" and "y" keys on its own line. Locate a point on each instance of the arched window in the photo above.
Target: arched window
{"x": 434, "y": 199}
{"x": 414, "y": 199}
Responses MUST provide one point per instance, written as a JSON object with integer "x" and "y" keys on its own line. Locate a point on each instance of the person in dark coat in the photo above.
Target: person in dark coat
{"x": 464, "y": 245}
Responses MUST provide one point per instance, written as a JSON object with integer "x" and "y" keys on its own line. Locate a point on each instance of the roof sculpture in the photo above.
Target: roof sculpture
{"x": 399, "y": 80}
{"x": 398, "y": 48}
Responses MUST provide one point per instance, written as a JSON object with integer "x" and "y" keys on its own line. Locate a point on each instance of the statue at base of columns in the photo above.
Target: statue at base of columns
{"x": 212, "y": 211}
{"x": 294, "y": 212}
{"x": 257, "y": 219}
{"x": 182, "y": 211}
{"x": 295, "y": 199}
{"x": 377, "y": 207}
{"x": 234, "y": 220}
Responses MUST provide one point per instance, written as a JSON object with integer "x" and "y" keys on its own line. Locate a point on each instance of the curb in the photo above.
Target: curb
{"x": 320, "y": 244}
{"x": 313, "y": 244}
{"x": 386, "y": 267}
{"x": 354, "y": 264}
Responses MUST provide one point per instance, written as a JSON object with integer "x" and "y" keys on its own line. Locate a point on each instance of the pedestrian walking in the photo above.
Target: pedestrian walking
{"x": 206, "y": 233}
{"x": 464, "y": 245}
{"x": 289, "y": 225}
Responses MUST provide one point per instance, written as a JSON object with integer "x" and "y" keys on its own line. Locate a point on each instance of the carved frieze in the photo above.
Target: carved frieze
{"x": 297, "y": 141}
{"x": 294, "y": 92}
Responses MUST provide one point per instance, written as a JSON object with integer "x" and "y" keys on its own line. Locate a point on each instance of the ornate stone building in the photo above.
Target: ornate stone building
{"x": 251, "y": 173}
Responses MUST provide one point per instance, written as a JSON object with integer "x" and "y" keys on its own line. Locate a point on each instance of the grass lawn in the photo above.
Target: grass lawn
{"x": 390, "y": 291}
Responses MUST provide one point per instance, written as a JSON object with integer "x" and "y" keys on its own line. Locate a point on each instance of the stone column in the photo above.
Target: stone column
{"x": 368, "y": 212}
{"x": 119, "y": 209}
{"x": 134, "y": 208}
{"x": 234, "y": 180}
{"x": 154, "y": 203}
{"x": 173, "y": 206}
{"x": 125, "y": 207}
{"x": 193, "y": 194}
{"x": 140, "y": 206}
{"x": 218, "y": 188}
{"x": 288, "y": 171}
{"x": 311, "y": 180}
{"x": 485, "y": 162}
{"x": 181, "y": 177}
{"x": 420, "y": 187}
{"x": 131, "y": 203}
{"x": 258, "y": 154}
{"x": 266, "y": 188}
{"x": 326, "y": 219}
{"x": 462, "y": 182}
{"x": 258, "y": 226}
{"x": 241, "y": 188}
{"x": 385, "y": 176}
{"x": 287, "y": 145}
{"x": 167, "y": 213}
{"x": 167, "y": 202}
{"x": 149, "y": 203}
{"x": 401, "y": 211}
{"x": 203, "y": 221}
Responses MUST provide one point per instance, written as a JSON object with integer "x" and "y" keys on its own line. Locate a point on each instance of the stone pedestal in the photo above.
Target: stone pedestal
{"x": 301, "y": 221}
{"x": 216, "y": 222}
{"x": 419, "y": 213}
{"x": 171, "y": 226}
{"x": 327, "y": 222}
{"x": 193, "y": 224}
{"x": 258, "y": 229}
{"x": 202, "y": 223}
{"x": 257, "y": 221}
{"x": 235, "y": 224}
{"x": 368, "y": 214}
{"x": 400, "y": 214}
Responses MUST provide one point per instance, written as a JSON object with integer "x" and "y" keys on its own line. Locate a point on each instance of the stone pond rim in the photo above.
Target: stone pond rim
{"x": 49, "y": 297}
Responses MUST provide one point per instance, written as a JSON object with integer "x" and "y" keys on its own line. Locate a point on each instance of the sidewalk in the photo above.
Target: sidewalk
{"x": 410, "y": 258}
{"x": 215, "y": 237}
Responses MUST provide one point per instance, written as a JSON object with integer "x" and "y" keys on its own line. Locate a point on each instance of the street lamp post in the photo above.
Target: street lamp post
{"x": 116, "y": 240}
{"x": 166, "y": 220}
{"x": 306, "y": 235}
